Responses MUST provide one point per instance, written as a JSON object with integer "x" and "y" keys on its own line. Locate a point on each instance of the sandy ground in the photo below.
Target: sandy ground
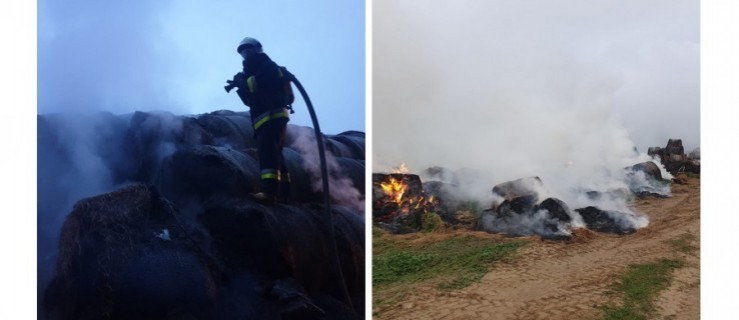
{"x": 556, "y": 280}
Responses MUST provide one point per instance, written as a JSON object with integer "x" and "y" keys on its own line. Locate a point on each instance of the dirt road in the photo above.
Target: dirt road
{"x": 556, "y": 280}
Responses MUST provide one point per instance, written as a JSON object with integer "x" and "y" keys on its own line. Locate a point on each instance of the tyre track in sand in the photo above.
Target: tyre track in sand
{"x": 557, "y": 280}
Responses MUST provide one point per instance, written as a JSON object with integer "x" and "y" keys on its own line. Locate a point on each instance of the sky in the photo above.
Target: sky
{"x": 124, "y": 56}
{"x": 517, "y": 86}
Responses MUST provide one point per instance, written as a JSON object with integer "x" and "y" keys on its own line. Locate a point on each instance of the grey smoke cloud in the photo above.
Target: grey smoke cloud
{"x": 563, "y": 90}
{"x": 341, "y": 188}
{"x": 111, "y": 56}
{"x": 522, "y": 88}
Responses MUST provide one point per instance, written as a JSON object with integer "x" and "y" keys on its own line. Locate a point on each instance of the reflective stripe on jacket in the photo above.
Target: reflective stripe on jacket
{"x": 270, "y": 115}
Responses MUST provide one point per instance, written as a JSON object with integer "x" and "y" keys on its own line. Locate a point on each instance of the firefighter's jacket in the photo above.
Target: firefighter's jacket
{"x": 267, "y": 92}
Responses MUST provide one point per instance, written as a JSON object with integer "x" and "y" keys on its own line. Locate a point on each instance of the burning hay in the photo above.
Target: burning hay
{"x": 519, "y": 207}
{"x": 400, "y": 203}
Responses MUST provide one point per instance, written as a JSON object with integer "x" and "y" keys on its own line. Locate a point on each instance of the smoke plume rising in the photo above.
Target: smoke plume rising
{"x": 571, "y": 92}
{"x": 341, "y": 187}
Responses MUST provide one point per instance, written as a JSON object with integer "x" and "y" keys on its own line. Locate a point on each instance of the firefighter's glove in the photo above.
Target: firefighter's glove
{"x": 239, "y": 80}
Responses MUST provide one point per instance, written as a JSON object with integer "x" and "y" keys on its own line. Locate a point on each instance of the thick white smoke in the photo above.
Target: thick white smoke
{"x": 533, "y": 88}
{"x": 341, "y": 187}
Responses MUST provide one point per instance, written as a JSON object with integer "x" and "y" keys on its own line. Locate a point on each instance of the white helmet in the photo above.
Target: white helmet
{"x": 249, "y": 43}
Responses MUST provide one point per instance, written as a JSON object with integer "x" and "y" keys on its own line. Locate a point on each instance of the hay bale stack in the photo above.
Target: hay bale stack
{"x": 128, "y": 255}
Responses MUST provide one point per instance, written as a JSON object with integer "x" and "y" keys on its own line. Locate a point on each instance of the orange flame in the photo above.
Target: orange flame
{"x": 395, "y": 189}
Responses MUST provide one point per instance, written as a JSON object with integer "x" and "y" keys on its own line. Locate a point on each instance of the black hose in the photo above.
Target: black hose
{"x": 326, "y": 194}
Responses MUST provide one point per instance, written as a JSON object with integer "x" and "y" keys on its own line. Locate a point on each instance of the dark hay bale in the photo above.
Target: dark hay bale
{"x": 201, "y": 172}
{"x": 119, "y": 247}
{"x": 352, "y": 169}
{"x": 674, "y": 146}
{"x": 522, "y": 216}
{"x": 403, "y": 217}
{"x": 518, "y": 188}
{"x": 301, "y": 181}
{"x": 598, "y": 220}
{"x": 521, "y": 205}
{"x": 649, "y": 168}
{"x": 557, "y": 209}
{"x": 228, "y": 129}
{"x": 153, "y": 136}
{"x": 354, "y": 141}
{"x": 290, "y": 241}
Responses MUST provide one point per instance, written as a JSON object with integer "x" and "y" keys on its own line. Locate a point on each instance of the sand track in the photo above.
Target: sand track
{"x": 556, "y": 280}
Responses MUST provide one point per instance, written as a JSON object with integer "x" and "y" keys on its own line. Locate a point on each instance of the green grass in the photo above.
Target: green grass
{"x": 448, "y": 263}
{"x": 639, "y": 287}
{"x": 684, "y": 243}
{"x": 454, "y": 262}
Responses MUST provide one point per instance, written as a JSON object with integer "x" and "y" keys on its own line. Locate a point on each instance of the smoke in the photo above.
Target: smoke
{"x": 112, "y": 56}
{"x": 342, "y": 189}
{"x": 70, "y": 167}
{"x": 81, "y": 155}
{"x": 563, "y": 91}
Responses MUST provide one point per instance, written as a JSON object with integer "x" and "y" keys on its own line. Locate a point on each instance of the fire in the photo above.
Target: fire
{"x": 402, "y": 195}
{"x": 394, "y": 189}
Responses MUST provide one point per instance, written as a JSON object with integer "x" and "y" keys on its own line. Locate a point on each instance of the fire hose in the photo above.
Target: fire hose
{"x": 324, "y": 177}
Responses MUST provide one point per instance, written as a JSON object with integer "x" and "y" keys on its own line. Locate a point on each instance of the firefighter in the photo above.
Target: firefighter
{"x": 265, "y": 89}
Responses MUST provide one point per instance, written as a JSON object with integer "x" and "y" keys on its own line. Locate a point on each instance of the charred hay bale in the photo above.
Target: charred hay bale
{"x": 443, "y": 198}
{"x": 675, "y": 167}
{"x": 557, "y": 209}
{"x": 606, "y": 221}
{"x": 228, "y": 128}
{"x": 153, "y": 136}
{"x": 649, "y": 168}
{"x": 674, "y": 147}
{"x": 129, "y": 255}
{"x": 410, "y": 183}
{"x": 391, "y": 201}
{"x": 199, "y": 173}
{"x": 518, "y": 188}
{"x": 281, "y": 241}
{"x": 521, "y": 205}
{"x": 522, "y": 216}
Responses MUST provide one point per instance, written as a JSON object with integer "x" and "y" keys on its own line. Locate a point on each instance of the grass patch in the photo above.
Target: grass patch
{"x": 457, "y": 261}
{"x": 448, "y": 263}
{"x": 684, "y": 243}
{"x": 639, "y": 287}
